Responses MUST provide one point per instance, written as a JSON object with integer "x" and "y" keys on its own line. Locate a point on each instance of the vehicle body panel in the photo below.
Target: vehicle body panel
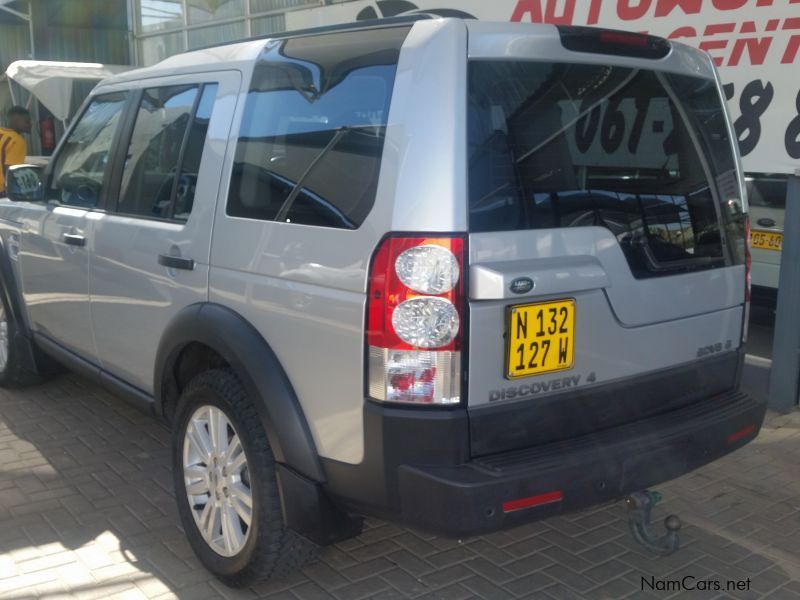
{"x": 304, "y": 287}
{"x": 626, "y": 326}
{"x": 55, "y": 276}
{"x": 766, "y": 263}
{"x": 130, "y": 290}
{"x": 767, "y": 198}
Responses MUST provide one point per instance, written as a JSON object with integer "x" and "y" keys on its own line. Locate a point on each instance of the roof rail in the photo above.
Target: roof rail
{"x": 351, "y": 26}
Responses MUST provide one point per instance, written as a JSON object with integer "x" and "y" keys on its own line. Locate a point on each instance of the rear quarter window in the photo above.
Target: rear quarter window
{"x": 311, "y": 140}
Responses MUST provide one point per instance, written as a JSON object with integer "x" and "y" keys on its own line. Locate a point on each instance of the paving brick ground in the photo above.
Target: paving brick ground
{"x": 87, "y": 511}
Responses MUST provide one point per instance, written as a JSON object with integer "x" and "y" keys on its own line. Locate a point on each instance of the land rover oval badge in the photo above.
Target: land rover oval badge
{"x": 522, "y": 285}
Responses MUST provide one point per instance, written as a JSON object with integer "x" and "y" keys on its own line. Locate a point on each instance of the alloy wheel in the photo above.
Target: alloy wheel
{"x": 217, "y": 480}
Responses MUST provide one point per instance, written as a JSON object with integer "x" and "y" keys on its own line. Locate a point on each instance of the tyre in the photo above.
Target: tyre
{"x": 226, "y": 487}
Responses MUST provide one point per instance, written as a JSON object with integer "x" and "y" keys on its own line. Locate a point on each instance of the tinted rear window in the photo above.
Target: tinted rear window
{"x": 644, "y": 154}
{"x": 766, "y": 190}
{"x": 311, "y": 140}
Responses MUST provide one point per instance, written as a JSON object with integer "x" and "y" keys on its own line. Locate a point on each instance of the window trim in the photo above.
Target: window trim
{"x": 123, "y": 143}
{"x": 182, "y": 154}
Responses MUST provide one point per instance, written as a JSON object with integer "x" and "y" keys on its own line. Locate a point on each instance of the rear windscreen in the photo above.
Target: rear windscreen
{"x": 768, "y": 191}
{"x": 644, "y": 154}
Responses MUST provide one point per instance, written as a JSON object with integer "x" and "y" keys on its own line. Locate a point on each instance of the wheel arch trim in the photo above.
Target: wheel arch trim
{"x": 9, "y": 288}
{"x": 255, "y": 363}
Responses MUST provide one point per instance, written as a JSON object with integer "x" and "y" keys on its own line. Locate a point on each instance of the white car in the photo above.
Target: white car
{"x": 767, "y": 196}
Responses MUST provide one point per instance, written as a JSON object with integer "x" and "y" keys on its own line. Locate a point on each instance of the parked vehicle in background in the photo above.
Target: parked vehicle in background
{"x": 767, "y": 198}
{"x": 456, "y": 274}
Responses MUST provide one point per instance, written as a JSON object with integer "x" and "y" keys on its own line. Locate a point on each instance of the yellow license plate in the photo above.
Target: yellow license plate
{"x": 766, "y": 240}
{"x": 541, "y": 338}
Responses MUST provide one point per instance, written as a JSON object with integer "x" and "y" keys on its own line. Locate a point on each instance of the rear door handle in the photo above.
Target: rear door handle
{"x": 176, "y": 262}
{"x": 766, "y": 222}
{"x": 73, "y": 239}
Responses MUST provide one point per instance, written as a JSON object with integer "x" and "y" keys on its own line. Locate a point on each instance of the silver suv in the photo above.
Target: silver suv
{"x": 456, "y": 274}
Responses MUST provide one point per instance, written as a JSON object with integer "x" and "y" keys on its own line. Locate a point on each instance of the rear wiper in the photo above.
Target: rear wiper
{"x": 341, "y": 132}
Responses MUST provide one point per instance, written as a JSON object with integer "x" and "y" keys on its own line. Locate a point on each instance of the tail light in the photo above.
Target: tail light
{"x": 748, "y": 262}
{"x": 415, "y": 320}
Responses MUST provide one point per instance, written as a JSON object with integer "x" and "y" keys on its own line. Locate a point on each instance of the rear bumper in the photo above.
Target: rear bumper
{"x": 471, "y": 497}
{"x": 568, "y": 476}
{"x": 765, "y": 274}
{"x": 764, "y": 296}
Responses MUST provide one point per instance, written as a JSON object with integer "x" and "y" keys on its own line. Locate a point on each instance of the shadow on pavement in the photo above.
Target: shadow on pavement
{"x": 86, "y": 507}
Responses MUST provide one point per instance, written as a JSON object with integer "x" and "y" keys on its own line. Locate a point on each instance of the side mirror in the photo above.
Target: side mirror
{"x": 24, "y": 183}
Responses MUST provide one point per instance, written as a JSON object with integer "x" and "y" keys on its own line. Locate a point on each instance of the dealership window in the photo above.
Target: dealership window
{"x": 167, "y": 27}
{"x": 268, "y": 5}
{"x": 203, "y": 11}
{"x": 267, "y": 25}
{"x": 158, "y": 47}
{"x": 158, "y": 15}
{"x": 217, "y": 34}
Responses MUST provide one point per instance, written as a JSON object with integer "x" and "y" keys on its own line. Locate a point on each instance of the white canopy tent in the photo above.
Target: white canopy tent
{"x": 52, "y": 82}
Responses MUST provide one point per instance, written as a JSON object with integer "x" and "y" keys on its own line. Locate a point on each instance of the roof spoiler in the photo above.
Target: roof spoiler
{"x": 352, "y": 26}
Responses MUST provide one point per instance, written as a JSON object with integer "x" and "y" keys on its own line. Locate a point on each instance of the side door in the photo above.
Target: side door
{"x": 151, "y": 245}
{"x": 56, "y": 234}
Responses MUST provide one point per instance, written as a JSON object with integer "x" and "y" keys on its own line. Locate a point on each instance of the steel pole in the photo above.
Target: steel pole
{"x": 784, "y": 379}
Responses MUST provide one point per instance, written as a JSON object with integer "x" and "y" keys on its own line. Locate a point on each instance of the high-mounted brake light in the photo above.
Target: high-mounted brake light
{"x": 622, "y": 37}
{"x": 611, "y": 41}
{"x": 415, "y": 320}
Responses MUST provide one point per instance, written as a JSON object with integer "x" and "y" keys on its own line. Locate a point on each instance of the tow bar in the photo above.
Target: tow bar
{"x": 639, "y": 506}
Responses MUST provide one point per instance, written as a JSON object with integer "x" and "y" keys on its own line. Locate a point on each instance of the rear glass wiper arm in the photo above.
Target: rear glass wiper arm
{"x": 341, "y": 132}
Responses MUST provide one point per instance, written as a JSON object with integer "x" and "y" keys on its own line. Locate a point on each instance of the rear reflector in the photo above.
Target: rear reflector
{"x": 531, "y": 501}
{"x": 610, "y": 41}
{"x": 742, "y": 433}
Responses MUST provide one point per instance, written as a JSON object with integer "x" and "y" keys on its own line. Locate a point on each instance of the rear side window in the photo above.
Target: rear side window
{"x": 645, "y": 154}
{"x": 158, "y": 180}
{"x": 311, "y": 139}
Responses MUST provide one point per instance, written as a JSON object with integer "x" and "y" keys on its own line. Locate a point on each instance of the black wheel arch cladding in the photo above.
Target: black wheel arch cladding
{"x": 9, "y": 289}
{"x": 260, "y": 371}
{"x": 29, "y": 361}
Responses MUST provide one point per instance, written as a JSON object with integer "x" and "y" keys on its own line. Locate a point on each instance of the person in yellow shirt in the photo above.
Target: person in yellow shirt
{"x": 13, "y": 147}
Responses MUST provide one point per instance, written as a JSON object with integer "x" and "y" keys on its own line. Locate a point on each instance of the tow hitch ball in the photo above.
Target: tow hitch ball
{"x": 639, "y": 506}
